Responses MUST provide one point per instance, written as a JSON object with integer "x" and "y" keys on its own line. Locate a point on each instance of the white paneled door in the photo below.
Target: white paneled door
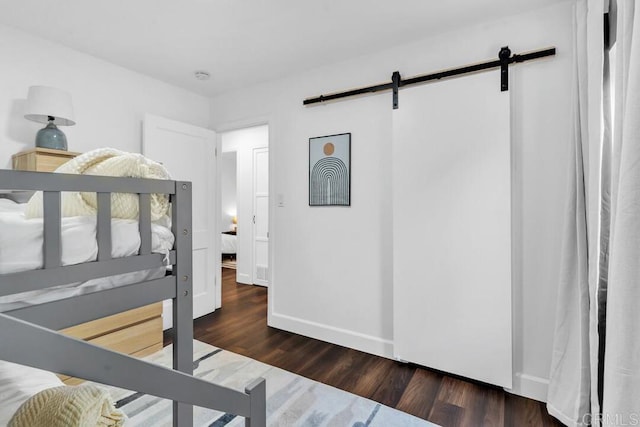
{"x": 261, "y": 216}
{"x": 188, "y": 152}
{"x": 452, "y": 228}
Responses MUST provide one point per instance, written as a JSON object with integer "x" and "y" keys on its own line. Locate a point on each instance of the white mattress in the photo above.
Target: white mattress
{"x": 21, "y": 250}
{"x": 18, "y": 383}
{"x": 229, "y": 244}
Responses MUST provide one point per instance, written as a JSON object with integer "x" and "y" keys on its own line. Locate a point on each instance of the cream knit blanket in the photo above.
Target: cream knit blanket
{"x": 66, "y": 406}
{"x": 107, "y": 162}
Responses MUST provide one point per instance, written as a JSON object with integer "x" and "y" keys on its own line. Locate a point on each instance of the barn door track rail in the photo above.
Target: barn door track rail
{"x": 504, "y": 60}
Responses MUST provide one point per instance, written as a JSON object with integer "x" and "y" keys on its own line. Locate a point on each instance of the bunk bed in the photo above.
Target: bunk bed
{"x": 137, "y": 332}
{"x": 28, "y": 334}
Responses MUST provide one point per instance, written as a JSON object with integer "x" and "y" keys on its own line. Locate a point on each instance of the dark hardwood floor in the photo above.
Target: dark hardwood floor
{"x": 241, "y": 326}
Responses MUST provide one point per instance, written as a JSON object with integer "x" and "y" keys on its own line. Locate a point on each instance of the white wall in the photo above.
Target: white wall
{"x": 228, "y": 195}
{"x": 332, "y": 267}
{"x": 243, "y": 142}
{"x": 109, "y": 100}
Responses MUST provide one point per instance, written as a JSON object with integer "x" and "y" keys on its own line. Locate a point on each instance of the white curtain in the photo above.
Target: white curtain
{"x": 572, "y": 395}
{"x": 595, "y": 377}
{"x": 621, "y": 391}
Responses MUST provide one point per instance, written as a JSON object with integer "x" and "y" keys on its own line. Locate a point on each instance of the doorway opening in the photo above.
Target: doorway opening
{"x": 244, "y": 192}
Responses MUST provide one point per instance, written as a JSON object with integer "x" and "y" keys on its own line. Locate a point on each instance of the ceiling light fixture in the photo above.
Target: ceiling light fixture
{"x": 202, "y": 75}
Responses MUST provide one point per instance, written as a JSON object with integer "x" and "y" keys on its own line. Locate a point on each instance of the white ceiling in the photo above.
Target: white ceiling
{"x": 242, "y": 42}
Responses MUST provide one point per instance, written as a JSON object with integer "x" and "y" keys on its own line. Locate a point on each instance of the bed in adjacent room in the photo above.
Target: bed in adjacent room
{"x": 229, "y": 244}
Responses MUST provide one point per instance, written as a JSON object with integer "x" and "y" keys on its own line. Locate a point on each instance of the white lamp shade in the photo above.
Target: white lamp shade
{"x": 44, "y": 101}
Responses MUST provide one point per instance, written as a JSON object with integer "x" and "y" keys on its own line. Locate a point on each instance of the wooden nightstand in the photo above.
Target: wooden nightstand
{"x": 41, "y": 159}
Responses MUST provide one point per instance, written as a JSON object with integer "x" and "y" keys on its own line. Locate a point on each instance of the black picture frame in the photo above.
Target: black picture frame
{"x": 330, "y": 170}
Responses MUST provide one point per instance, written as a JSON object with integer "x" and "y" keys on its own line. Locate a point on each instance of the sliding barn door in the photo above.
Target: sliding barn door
{"x": 452, "y": 228}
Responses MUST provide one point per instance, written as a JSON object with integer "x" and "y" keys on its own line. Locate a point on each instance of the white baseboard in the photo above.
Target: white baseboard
{"x": 343, "y": 337}
{"x": 530, "y": 386}
{"x": 525, "y": 385}
{"x": 243, "y": 278}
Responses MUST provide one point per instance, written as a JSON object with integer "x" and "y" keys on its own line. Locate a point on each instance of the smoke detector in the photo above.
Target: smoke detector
{"x": 202, "y": 75}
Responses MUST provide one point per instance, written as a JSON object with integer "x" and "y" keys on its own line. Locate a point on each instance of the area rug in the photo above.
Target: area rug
{"x": 292, "y": 400}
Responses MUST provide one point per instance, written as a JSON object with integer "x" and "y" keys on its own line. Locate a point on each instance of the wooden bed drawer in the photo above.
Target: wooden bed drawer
{"x": 138, "y": 340}
{"x": 99, "y": 327}
{"x": 134, "y": 338}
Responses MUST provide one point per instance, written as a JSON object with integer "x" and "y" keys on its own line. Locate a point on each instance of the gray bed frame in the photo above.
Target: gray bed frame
{"x": 28, "y": 335}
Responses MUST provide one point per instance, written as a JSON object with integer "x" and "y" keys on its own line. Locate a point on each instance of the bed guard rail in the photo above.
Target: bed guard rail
{"x": 38, "y": 347}
{"x": 43, "y": 348}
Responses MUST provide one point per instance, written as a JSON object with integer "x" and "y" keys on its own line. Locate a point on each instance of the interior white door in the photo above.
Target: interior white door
{"x": 188, "y": 152}
{"x": 261, "y": 216}
{"x": 452, "y": 228}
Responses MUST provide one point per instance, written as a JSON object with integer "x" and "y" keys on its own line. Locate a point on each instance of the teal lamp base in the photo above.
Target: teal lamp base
{"x": 51, "y": 137}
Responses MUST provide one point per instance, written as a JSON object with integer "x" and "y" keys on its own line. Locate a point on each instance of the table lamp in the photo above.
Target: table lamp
{"x": 234, "y": 222}
{"x": 52, "y": 106}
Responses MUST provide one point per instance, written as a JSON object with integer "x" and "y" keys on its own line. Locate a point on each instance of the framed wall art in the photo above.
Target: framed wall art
{"x": 330, "y": 170}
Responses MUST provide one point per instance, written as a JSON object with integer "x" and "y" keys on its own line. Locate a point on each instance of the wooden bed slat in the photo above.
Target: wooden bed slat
{"x": 15, "y": 283}
{"x": 104, "y": 226}
{"x": 144, "y": 223}
{"x": 52, "y": 229}
{"x": 84, "y": 308}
